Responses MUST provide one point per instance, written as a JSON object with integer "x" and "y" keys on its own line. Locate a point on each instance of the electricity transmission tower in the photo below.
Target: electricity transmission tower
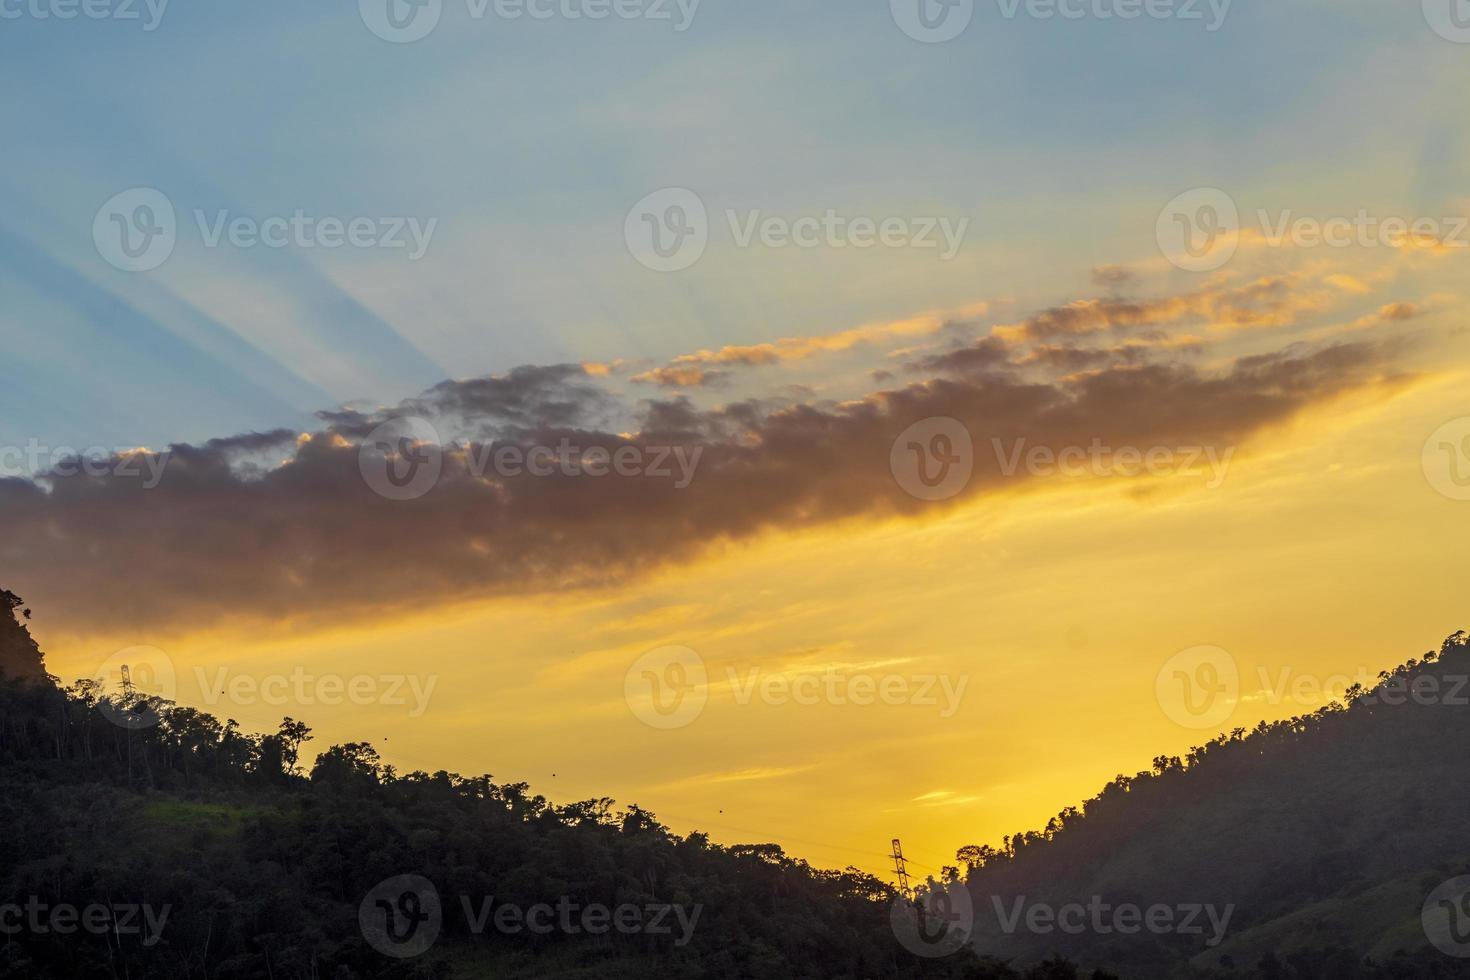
{"x": 901, "y": 868}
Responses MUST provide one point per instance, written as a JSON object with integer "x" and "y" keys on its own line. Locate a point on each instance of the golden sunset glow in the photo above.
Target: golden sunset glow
{"x": 1020, "y": 631}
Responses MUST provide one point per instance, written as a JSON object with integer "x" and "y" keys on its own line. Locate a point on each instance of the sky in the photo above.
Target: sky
{"x": 792, "y": 257}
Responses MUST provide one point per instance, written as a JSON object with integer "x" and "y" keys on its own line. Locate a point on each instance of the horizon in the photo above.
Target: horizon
{"x": 814, "y": 427}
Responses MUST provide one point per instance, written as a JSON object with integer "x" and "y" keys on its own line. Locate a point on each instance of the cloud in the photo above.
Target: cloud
{"x": 1115, "y": 278}
{"x": 945, "y": 797}
{"x": 691, "y": 370}
{"x": 994, "y": 352}
{"x": 1396, "y": 312}
{"x": 283, "y": 527}
{"x": 754, "y": 774}
{"x": 529, "y": 398}
{"x": 681, "y": 376}
{"x": 1270, "y": 301}
{"x": 985, "y": 354}
{"x": 1348, "y": 283}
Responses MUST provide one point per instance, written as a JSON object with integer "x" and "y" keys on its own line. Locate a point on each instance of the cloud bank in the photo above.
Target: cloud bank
{"x": 283, "y": 526}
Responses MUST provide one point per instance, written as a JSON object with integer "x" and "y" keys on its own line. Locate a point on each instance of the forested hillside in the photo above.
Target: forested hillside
{"x": 1322, "y": 836}
{"x": 149, "y": 840}
{"x": 20, "y": 657}
{"x": 184, "y": 847}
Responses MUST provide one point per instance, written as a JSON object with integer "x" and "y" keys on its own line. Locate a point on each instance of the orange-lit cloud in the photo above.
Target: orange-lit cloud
{"x": 1270, "y": 301}
{"x": 703, "y": 367}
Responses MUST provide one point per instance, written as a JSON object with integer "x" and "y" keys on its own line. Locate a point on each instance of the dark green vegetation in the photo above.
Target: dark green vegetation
{"x": 1326, "y": 833}
{"x": 20, "y": 657}
{"x": 262, "y": 862}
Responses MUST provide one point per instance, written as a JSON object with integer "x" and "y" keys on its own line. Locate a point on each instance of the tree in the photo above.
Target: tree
{"x": 354, "y": 765}
{"x": 20, "y": 657}
{"x": 293, "y": 734}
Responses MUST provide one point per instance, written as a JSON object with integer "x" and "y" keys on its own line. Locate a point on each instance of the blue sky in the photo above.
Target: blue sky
{"x": 528, "y": 141}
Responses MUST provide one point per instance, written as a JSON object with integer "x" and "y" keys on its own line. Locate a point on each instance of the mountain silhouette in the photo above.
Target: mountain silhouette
{"x": 1327, "y": 847}
{"x": 20, "y": 657}
{"x": 1324, "y": 837}
{"x": 196, "y": 850}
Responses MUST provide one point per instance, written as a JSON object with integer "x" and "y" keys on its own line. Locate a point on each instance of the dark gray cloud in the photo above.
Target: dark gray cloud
{"x": 1114, "y": 278}
{"x": 283, "y": 526}
{"x": 311, "y": 539}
